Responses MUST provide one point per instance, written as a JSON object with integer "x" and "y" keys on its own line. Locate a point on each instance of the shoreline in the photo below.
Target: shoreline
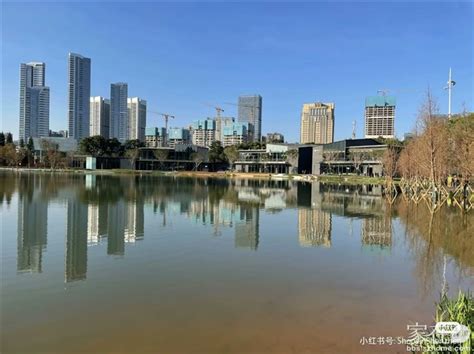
{"x": 329, "y": 179}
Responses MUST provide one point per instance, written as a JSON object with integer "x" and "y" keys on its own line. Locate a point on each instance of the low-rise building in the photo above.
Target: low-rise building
{"x": 360, "y": 156}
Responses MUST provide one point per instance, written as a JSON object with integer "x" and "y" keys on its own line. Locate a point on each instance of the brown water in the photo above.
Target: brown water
{"x": 173, "y": 265}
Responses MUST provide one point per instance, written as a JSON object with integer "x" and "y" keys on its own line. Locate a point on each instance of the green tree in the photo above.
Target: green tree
{"x": 2, "y": 139}
{"x": 216, "y": 152}
{"x": 232, "y": 155}
{"x": 22, "y": 143}
{"x": 9, "y": 139}
{"x": 114, "y": 148}
{"x": 94, "y": 146}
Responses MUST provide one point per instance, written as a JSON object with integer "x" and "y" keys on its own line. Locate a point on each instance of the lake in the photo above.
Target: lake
{"x": 104, "y": 264}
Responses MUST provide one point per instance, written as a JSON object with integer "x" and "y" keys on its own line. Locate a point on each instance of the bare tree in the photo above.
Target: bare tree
{"x": 432, "y": 146}
{"x": 161, "y": 155}
{"x": 198, "y": 158}
{"x": 329, "y": 158}
{"x": 133, "y": 155}
{"x": 357, "y": 157}
{"x": 390, "y": 163}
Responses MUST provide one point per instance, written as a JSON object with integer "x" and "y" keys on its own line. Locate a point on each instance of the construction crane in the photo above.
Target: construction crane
{"x": 166, "y": 117}
{"x": 218, "y": 109}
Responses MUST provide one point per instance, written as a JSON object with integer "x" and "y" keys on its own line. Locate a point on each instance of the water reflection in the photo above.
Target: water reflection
{"x": 111, "y": 210}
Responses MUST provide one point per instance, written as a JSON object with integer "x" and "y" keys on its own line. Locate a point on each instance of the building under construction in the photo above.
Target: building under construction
{"x": 380, "y": 117}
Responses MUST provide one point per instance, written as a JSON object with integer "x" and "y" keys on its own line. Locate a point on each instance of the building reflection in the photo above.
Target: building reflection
{"x": 32, "y": 231}
{"x": 247, "y": 228}
{"x": 76, "y": 241}
{"x": 377, "y": 232}
{"x": 314, "y": 228}
{"x": 314, "y": 223}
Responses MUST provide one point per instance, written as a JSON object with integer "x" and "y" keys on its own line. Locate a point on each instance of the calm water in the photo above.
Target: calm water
{"x": 146, "y": 264}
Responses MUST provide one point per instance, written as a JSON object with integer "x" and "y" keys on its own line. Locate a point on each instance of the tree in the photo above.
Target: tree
{"x": 329, "y": 157}
{"x": 292, "y": 158}
{"x": 114, "y": 148}
{"x": 133, "y": 144}
{"x": 132, "y": 155}
{"x": 461, "y": 136}
{"x": 198, "y": 158}
{"x": 232, "y": 154}
{"x": 389, "y": 163}
{"x": 9, "y": 154}
{"x": 19, "y": 156}
{"x": 216, "y": 152}
{"x": 431, "y": 153}
{"x": 2, "y": 139}
{"x": 94, "y": 145}
{"x": 9, "y": 139}
{"x": 51, "y": 152}
{"x": 30, "y": 146}
{"x": 30, "y": 151}
{"x": 357, "y": 157}
{"x": 161, "y": 155}
{"x": 22, "y": 143}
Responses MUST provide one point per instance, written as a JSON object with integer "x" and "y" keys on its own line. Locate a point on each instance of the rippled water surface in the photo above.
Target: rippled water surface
{"x": 161, "y": 264}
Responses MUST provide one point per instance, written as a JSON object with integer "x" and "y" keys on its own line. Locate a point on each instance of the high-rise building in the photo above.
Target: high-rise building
{"x": 221, "y": 122}
{"x": 250, "y": 111}
{"x": 178, "y": 136}
{"x": 380, "y": 116}
{"x": 119, "y": 111}
{"x": 203, "y": 132}
{"x": 136, "y": 118}
{"x": 79, "y": 91}
{"x": 99, "y": 116}
{"x": 154, "y": 137}
{"x": 235, "y": 133}
{"x": 317, "y": 123}
{"x": 34, "y": 101}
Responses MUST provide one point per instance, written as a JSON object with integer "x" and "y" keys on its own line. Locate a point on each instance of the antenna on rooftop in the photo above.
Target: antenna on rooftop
{"x": 354, "y": 123}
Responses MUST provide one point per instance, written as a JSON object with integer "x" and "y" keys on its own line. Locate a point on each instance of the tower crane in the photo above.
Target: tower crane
{"x": 166, "y": 117}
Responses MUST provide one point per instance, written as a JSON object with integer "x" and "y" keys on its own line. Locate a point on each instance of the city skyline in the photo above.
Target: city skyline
{"x": 168, "y": 85}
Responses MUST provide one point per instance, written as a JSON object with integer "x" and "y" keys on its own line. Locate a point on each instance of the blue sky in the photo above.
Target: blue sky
{"x": 182, "y": 56}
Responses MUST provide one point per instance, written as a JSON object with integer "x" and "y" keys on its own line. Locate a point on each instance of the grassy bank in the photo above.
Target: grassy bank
{"x": 329, "y": 179}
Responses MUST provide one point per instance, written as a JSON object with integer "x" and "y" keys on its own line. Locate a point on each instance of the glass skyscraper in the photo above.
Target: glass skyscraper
{"x": 79, "y": 89}
{"x": 34, "y": 101}
{"x": 250, "y": 111}
{"x": 119, "y": 111}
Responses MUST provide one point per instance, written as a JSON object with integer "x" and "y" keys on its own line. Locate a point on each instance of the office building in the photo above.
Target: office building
{"x": 250, "y": 111}
{"x": 380, "y": 117}
{"x": 317, "y": 123}
{"x": 79, "y": 91}
{"x": 178, "y": 136}
{"x": 203, "y": 132}
{"x": 154, "y": 137}
{"x": 99, "y": 116}
{"x": 235, "y": 133}
{"x": 220, "y": 123}
{"x": 136, "y": 118}
{"x": 119, "y": 111}
{"x": 34, "y": 101}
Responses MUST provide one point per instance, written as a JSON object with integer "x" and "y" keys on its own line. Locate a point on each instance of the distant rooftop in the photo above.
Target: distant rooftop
{"x": 380, "y": 101}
